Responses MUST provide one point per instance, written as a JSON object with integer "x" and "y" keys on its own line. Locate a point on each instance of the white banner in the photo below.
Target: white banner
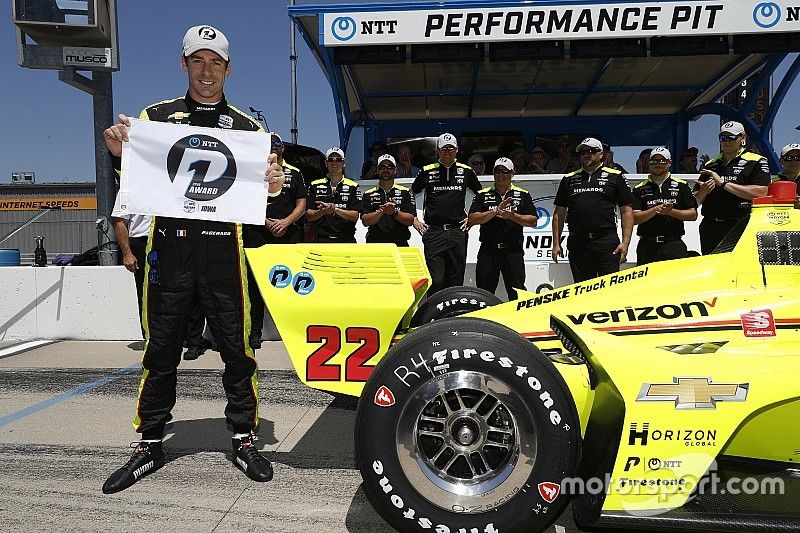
{"x": 183, "y": 171}
{"x": 578, "y": 21}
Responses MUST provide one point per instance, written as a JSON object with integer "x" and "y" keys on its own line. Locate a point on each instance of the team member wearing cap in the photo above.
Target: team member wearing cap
{"x": 502, "y": 210}
{"x": 661, "y": 203}
{"x": 444, "y": 229}
{"x": 284, "y": 210}
{"x": 387, "y": 209}
{"x": 727, "y": 185}
{"x": 790, "y": 159}
{"x": 187, "y": 257}
{"x": 586, "y": 200}
{"x": 333, "y": 202}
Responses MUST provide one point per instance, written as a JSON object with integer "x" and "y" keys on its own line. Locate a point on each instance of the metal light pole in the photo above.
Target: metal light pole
{"x": 293, "y": 68}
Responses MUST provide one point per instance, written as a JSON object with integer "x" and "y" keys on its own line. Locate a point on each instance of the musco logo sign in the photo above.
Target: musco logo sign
{"x": 199, "y": 188}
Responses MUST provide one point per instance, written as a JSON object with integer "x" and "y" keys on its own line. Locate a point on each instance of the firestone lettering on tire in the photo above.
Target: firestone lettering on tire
{"x": 454, "y": 301}
{"x": 411, "y": 514}
{"x": 407, "y": 376}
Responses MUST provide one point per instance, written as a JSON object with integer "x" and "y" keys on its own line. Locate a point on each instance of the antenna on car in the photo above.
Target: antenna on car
{"x": 260, "y": 117}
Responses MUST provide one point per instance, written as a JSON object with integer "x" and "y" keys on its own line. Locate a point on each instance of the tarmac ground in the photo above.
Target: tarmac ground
{"x": 65, "y": 425}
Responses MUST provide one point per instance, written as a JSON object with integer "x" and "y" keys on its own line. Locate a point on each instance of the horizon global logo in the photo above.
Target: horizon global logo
{"x": 766, "y": 14}
{"x": 343, "y": 28}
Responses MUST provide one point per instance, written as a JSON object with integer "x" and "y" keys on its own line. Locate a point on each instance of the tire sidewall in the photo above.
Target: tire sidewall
{"x": 453, "y": 301}
{"x": 524, "y": 509}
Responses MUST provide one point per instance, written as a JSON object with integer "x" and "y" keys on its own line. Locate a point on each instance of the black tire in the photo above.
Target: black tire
{"x": 507, "y": 402}
{"x": 453, "y": 301}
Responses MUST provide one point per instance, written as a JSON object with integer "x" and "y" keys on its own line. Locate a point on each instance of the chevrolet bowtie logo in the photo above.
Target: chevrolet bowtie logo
{"x": 693, "y": 393}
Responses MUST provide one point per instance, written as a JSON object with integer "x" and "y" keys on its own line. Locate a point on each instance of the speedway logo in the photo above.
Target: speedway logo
{"x": 759, "y": 323}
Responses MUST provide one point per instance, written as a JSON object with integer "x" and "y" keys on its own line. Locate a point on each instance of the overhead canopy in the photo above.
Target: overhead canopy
{"x": 462, "y": 65}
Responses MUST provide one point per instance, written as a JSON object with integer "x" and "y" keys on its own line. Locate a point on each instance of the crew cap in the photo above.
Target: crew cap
{"x": 446, "y": 139}
{"x": 387, "y": 157}
{"x": 590, "y": 142}
{"x": 504, "y": 162}
{"x": 732, "y": 127}
{"x": 334, "y": 150}
{"x": 663, "y": 152}
{"x": 789, "y": 148}
{"x": 205, "y": 38}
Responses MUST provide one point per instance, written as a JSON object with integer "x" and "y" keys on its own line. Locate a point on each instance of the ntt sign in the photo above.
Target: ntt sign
{"x": 579, "y": 21}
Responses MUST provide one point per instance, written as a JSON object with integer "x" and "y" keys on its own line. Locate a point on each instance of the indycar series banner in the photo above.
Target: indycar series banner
{"x": 183, "y": 171}
{"x": 559, "y": 21}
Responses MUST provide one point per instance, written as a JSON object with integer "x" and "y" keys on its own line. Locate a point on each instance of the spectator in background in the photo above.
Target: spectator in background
{"x": 333, "y": 202}
{"x": 608, "y": 159}
{"x": 517, "y": 157}
{"x": 502, "y": 210}
{"x": 387, "y": 209}
{"x": 688, "y": 161}
{"x": 727, "y": 185}
{"x": 661, "y": 203}
{"x": 539, "y": 160}
{"x": 563, "y": 162}
{"x": 405, "y": 167}
{"x": 370, "y": 166}
{"x": 477, "y": 164}
{"x": 643, "y": 163}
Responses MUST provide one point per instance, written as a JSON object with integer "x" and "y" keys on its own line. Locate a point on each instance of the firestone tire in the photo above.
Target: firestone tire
{"x": 453, "y": 301}
{"x": 464, "y": 426}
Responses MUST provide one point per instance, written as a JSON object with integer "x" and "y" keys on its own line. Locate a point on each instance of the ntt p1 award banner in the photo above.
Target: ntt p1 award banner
{"x": 182, "y": 171}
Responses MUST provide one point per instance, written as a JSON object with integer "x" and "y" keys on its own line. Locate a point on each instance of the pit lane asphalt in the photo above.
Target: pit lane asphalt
{"x": 65, "y": 412}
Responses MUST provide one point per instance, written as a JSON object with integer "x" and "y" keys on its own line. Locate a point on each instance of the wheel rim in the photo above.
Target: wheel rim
{"x": 460, "y": 444}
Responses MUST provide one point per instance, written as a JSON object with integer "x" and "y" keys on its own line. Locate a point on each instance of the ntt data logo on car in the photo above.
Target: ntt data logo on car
{"x": 343, "y": 28}
{"x": 766, "y": 14}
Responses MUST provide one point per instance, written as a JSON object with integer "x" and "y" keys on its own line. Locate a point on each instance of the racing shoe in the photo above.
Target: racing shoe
{"x": 147, "y": 457}
{"x": 255, "y": 342}
{"x": 193, "y": 352}
{"x": 247, "y": 457}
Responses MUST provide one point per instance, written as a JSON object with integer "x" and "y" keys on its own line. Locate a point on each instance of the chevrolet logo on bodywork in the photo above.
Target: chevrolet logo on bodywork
{"x": 693, "y": 393}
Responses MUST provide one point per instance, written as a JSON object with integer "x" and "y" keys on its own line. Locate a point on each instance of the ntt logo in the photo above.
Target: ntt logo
{"x": 766, "y": 14}
{"x": 343, "y": 28}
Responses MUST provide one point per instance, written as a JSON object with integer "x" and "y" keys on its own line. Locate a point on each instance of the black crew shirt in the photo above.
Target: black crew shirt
{"x": 344, "y": 196}
{"x": 445, "y": 191}
{"x": 293, "y": 189}
{"x": 501, "y": 230}
{"x": 591, "y": 199}
{"x": 388, "y": 228}
{"x": 746, "y": 168}
{"x": 673, "y": 190}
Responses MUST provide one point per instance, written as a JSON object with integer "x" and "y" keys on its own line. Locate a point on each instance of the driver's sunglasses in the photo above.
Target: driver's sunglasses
{"x": 447, "y": 149}
{"x": 385, "y": 167}
{"x": 791, "y": 158}
{"x": 335, "y": 160}
{"x": 277, "y": 144}
{"x": 727, "y": 138}
{"x": 658, "y": 161}
{"x": 501, "y": 170}
{"x": 591, "y": 151}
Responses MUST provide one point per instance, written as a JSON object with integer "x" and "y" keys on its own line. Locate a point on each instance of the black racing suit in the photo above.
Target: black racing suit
{"x": 190, "y": 260}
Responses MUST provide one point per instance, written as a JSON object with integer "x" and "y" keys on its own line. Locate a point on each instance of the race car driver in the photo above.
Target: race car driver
{"x": 189, "y": 256}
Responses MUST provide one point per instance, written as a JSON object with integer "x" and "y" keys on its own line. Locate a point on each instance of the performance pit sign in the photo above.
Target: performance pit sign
{"x": 545, "y": 21}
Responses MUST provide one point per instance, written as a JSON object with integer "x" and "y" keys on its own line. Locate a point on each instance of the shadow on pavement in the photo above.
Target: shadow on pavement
{"x": 186, "y": 437}
{"x": 362, "y": 518}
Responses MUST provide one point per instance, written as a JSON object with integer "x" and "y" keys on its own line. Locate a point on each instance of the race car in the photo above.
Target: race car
{"x": 661, "y": 397}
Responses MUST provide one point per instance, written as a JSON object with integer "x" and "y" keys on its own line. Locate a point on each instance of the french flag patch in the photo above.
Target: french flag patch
{"x": 181, "y": 233}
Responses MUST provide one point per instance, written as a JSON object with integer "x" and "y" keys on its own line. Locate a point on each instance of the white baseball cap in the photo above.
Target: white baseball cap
{"x": 387, "y": 157}
{"x": 334, "y": 150}
{"x": 446, "y": 139}
{"x": 662, "y": 151}
{"x": 505, "y": 163}
{"x": 590, "y": 142}
{"x": 789, "y": 148}
{"x": 732, "y": 127}
{"x": 205, "y": 38}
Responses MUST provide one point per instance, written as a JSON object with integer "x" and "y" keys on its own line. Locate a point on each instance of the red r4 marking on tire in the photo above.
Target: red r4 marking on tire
{"x": 549, "y": 491}
{"x": 384, "y": 397}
